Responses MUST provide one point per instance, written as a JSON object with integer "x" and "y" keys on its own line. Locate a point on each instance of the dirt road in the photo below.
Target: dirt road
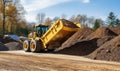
{"x": 21, "y": 61}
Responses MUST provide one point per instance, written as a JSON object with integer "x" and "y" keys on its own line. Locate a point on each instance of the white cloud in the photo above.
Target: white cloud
{"x": 85, "y": 1}
{"x": 33, "y": 6}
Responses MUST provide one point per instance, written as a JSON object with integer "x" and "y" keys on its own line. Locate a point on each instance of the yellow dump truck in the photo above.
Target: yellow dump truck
{"x": 44, "y": 39}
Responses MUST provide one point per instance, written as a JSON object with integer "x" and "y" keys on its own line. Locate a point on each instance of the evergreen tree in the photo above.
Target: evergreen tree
{"x": 111, "y": 20}
{"x": 117, "y": 22}
{"x": 96, "y": 24}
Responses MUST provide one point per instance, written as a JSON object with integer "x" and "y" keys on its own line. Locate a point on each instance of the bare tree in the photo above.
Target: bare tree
{"x": 84, "y": 19}
{"x": 63, "y": 16}
{"x": 48, "y": 21}
{"x": 91, "y": 21}
{"x": 56, "y": 18}
{"x": 78, "y": 18}
{"x": 81, "y": 19}
{"x": 20, "y": 9}
{"x": 40, "y": 18}
{"x": 72, "y": 18}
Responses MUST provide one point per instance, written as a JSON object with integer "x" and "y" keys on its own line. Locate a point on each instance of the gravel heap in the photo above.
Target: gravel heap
{"x": 14, "y": 46}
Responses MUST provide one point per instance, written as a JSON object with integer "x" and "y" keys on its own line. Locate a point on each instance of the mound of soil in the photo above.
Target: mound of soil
{"x": 90, "y": 44}
{"x": 80, "y": 48}
{"x": 78, "y": 36}
{"x": 14, "y": 46}
{"x": 68, "y": 23}
{"x": 101, "y": 33}
{"x": 109, "y": 51}
{"x": 116, "y": 29}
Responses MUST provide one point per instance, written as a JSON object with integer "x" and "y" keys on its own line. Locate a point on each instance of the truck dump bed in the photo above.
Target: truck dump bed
{"x": 58, "y": 33}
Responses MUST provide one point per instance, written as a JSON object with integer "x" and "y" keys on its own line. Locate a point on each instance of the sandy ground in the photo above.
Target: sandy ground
{"x": 22, "y": 61}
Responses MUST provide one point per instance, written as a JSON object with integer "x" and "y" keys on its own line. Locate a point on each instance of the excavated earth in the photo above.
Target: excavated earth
{"x": 76, "y": 38}
{"x": 116, "y": 29}
{"x": 102, "y": 44}
{"x": 109, "y": 51}
{"x": 85, "y": 42}
{"x": 68, "y": 23}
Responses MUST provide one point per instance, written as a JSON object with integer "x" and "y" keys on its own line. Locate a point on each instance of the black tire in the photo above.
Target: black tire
{"x": 26, "y": 46}
{"x": 35, "y": 46}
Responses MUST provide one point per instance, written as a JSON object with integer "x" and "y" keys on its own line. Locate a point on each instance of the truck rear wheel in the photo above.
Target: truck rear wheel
{"x": 35, "y": 45}
{"x": 26, "y": 46}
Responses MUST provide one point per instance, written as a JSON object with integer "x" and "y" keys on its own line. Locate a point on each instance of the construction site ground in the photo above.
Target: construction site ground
{"x": 27, "y": 61}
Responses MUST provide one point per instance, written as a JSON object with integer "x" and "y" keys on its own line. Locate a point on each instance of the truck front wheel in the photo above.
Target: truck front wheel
{"x": 35, "y": 46}
{"x": 26, "y": 45}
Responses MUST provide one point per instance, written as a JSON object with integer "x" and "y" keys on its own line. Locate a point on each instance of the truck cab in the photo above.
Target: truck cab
{"x": 41, "y": 30}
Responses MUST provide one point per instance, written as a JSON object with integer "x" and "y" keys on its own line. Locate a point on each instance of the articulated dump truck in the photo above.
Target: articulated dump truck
{"x": 49, "y": 38}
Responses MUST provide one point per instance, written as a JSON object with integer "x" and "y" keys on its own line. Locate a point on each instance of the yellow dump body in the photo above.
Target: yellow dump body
{"x": 58, "y": 33}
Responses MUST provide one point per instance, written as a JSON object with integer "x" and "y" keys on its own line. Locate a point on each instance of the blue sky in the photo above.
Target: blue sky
{"x": 52, "y": 8}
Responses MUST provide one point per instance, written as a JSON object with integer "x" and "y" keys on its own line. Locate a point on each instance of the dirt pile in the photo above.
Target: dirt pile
{"x": 14, "y": 46}
{"x": 78, "y": 36}
{"x": 109, "y": 51}
{"x": 90, "y": 44}
{"x": 101, "y": 33}
{"x": 116, "y": 29}
{"x": 80, "y": 48}
{"x": 68, "y": 23}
